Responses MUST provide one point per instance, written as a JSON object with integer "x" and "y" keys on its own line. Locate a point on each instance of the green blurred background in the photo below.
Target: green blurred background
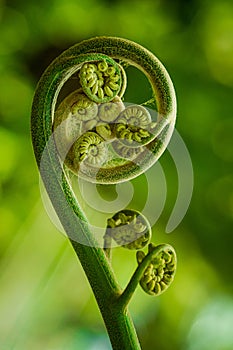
{"x": 45, "y": 299}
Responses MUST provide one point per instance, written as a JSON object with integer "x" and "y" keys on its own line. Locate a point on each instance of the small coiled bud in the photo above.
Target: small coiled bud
{"x": 108, "y": 112}
{"x": 104, "y": 130}
{"x": 89, "y": 147}
{"x": 101, "y": 80}
{"x": 129, "y": 229}
{"x": 160, "y": 270}
{"x": 72, "y": 113}
{"x": 83, "y": 108}
{"x": 132, "y": 126}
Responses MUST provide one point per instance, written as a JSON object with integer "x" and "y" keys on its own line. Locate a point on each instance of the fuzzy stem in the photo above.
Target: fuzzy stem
{"x": 94, "y": 262}
{"x": 107, "y": 246}
{"x": 126, "y": 296}
{"x": 117, "y": 320}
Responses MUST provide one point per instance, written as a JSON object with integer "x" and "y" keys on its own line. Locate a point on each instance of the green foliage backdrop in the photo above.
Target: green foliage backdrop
{"x": 45, "y": 300}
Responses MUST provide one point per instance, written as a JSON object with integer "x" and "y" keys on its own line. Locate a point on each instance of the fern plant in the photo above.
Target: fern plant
{"x": 93, "y": 134}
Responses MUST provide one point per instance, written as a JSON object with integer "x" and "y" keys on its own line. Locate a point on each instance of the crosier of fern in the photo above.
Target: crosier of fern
{"x": 93, "y": 134}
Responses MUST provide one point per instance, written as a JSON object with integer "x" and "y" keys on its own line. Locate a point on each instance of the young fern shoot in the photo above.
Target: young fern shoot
{"x": 95, "y": 135}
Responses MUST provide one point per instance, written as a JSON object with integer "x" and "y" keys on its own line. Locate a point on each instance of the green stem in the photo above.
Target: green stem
{"x": 117, "y": 320}
{"x": 94, "y": 262}
{"x": 107, "y": 246}
{"x": 126, "y": 296}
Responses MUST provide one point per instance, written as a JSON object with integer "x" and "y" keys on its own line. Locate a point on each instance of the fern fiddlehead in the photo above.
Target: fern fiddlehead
{"x": 132, "y": 124}
{"x": 160, "y": 271}
{"x": 129, "y": 229}
{"x": 73, "y": 134}
{"x": 101, "y": 80}
{"x": 155, "y": 272}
